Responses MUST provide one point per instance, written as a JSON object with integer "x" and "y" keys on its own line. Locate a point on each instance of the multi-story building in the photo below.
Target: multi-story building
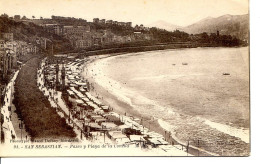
{"x": 121, "y": 23}
{"x": 24, "y": 48}
{"x": 129, "y": 24}
{"x": 54, "y": 28}
{"x": 115, "y": 22}
{"x": 8, "y": 36}
{"x": 17, "y": 17}
{"x": 12, "y": 59}
{"x": 75, "y": 30}
{"x": 58, "y": 30}
{"x": 3, "y": 64}
{"x": 141, "y": 28}
{"x": 11, "y": 45}
{"x": 117, "y": 39}
{"x": 102, "y": 21}
{"x": 96, "y": 20}
{"x": 108, "y": 37}
{"x": 79, "y": 36}
{"x": 7, "y": 59}
{"x": 2, "y": 44}
{"x": 31, "y": 48}
{"x": 10, "y": 52}
{"x": 109, "y": 21}
{"x": 13, "y": 49}
{"x": 83, "y": 43}
{"x": 66, "y": 29}
{"x": 3, "y": 59}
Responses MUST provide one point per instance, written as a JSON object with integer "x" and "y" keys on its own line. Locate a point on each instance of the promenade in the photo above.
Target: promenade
{"x": 12, "y": 125}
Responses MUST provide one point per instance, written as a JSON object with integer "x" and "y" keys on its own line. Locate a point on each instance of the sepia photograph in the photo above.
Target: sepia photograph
{"x": 125, "y": 78}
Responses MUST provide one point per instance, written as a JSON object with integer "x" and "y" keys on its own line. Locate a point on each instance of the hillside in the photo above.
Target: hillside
{"x": 28, "y": 31}
{"x": 235, "y": 25}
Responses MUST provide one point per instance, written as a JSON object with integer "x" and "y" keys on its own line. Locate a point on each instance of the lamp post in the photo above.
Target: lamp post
{"x": 81, "y": 133}
{"x": 198, "y": 147}
{"x": 56, "y": 101}
{"x": 142, "y": 124}
{"x": 188, "y": 147}
{"x": 69, "y": 115}
{"x": 104, "y": 136}
{"x": 1, "y": 123}
{"x": 21, "y": 127}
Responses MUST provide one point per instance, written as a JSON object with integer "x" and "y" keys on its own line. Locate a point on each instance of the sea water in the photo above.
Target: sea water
{"x": 197, "y": 93}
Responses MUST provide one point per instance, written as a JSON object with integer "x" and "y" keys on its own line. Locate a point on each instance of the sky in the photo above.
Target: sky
{"x": 177, "y": 12}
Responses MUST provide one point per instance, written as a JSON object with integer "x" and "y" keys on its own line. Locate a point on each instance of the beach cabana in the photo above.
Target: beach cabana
{"x": 82, "y": 90}
{"x": 70, "y": 93}
{"x": 79, "y": 101}
{"x": 105, "y": 108}
{"x": 98, "y": 111}
{"x": 123, "y": 127}
{"x": 95, "y": 117}
{"x": 155, "y": 142}
{"x": 118, "y": 137}
{"x": 114, "y": 119}
{"x": 163, "y": 142}
{"x": 87, "y": 94}
{"x": 130, "y": 131}
{"x": 109, "y": 125}
{"x": 79, "y": 83}
{"x": 92, "y": 105}
{"x": 154, "y": 135}
{"x": 96, "y": 101}
{"x": 72, "y": 85}
{"x": 93, "y": 126}
{"x": 80, "y": 95}
{"x": 137, "y": 139}
{"x": 100, "y": 120}
{"x": 86, "y": 99}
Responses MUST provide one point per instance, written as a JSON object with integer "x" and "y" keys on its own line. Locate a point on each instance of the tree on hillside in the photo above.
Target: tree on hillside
{"x": 33, "y": 17}
{"x": 168, "y": 36}
{"x": 4, "y": 15}
{"x": 24, "y": 17}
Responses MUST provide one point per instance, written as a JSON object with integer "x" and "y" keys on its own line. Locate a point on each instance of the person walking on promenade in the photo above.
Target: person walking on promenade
{"x": 12, "y": 135}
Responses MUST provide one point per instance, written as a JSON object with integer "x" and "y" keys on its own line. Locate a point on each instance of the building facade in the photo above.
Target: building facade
{"x": 8, "y": 36}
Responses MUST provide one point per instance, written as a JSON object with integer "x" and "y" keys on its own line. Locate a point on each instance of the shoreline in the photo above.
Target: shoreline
{"x": 153, "y": 125}
{"x": 147, "y": 48}
{"x": 100, "y": 89}
{"x": 126, "y": 120}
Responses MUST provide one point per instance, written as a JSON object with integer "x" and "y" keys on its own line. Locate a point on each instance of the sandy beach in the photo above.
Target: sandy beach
{"x": 183, "y": 127}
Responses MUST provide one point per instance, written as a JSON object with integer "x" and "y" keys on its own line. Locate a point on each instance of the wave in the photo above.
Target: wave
{"x": 147, "y": 106}
{"x": 243, "y": 134}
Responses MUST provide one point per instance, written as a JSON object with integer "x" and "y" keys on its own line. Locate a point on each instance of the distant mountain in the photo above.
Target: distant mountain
{"x": 164, "y": 25}
{"x": 235, "y": 25}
